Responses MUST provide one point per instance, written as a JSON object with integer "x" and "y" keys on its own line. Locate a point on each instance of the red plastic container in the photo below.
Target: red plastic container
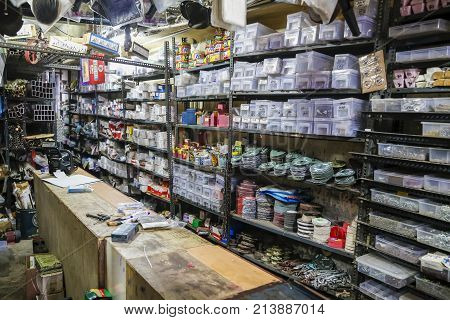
{"x": 405, "y": 11}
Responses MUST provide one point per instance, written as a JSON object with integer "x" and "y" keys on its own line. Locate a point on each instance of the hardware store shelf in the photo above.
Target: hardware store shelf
{"x": 146, "y": 147}
{"x": 417, "y": 192}
{"x": 205, "y": 98}
{"x": 440, "y": 13}
{"x": 407, "y": 214}
{"x": 200, "y": 168}
{"x": 268, "y": 226}
{"x": 183, "y": 199}
{"x": 420, "y": 90}
{"x": 405, "y": 138}
{"x": 410, "y": 164}
{"x": 417, "y": 116}
{"x": 147, "y": 76}
{"x": 144, "y": 100}
{"x": 197, "y": 127}
{"x": 166, "y": 200}
{"x": 388, "y": 255}
{"x": 210, "y": 66}
{"x": 295, "y": 94}
{"x": 148, "y": 171}
{"x": 300, "y": 136}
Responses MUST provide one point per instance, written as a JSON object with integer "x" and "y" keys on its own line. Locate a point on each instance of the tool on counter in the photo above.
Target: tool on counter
{"x": 99, "y": 217}
{"x": 80, "y": 189}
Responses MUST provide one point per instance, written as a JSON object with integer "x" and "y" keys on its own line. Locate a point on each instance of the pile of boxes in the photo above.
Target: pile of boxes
{"x": 147, "y": 90}
{"x": 148, "y": 111}
{"x": 149, "y": 161}
{"x": 218, "y": 118}
{"x": 113, "y": 150}
{"x": 113, "y": 129}
{"x": 302, "y": 31}
{"x": 116, "y": 168}
{"x": 109, "y": 108}
{"x": 202, "y": 188}
{"x": 209, "y": 83}
{"x": 410, "y": 7}
{"x": 45, "y": 277}
{"x": 307, "y": 71}
{"x": 317, "y": 116}
{"x": 146, "y": 184}
{"x": 147, "y": 137}
{"x": 86, "y": 105}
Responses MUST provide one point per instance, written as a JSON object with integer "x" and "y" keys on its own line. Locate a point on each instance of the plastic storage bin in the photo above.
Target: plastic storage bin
{"x": 275, "y": 109}
{"x": 437, "y": 184}
{"x": 417, "y": 29}
{"x": 305, "y": 109}
{"x": 303, "y": 80}
{"x": 321, "y": 80}
{"x": 406, "y": 228}
{"x": 346, "y": 79}
{"x": 348, "y": 109}
{"x": 366, "y": 26}
{"x": 314, "y": 61}
{"x": 379, "y": 291}
{"x": 289, "y": 125}
{"x": 386, "y": 105}
{"x": 434, "y": 237}
{"x": 345, "y": 62}
{"x": 332, "y": 32}
{"x": 323, "y": 108}
{"x": 289, "y": 110}
{"x": 309, "y": 35}
{"x": 367, "y": 8}
{"x": 289, "y": 66}
{"x": 438, "y": 53}
{"x": 393, "y": 274}
{"x": 345, "y": 128}
{"x": 392, "y": 200}
{"x": 256, "y": 30}
{"x": 432, "y": 265}
{"x": 305, "y": 127}
{"x": 298, "y": 20}
{"x": 385, "y": 149}
{"x": 262, "y": 106}
{"x": 413, "y": 182}
{"x": 323, "y": 128}
{"x": 276, "y": 41}
{"x": 416, "y": 105}
{"x": 263, "y": 43}
{"x": 272, "y": 66}
{"x": 433, "y": 288}
{"x": 436, "y": 129}
{"x": 249, "y": 84}
{"x": 249, "y": 45}
{"x": 438, "y": 155}
{"x": 288, "y": 83}
{"x": 292, "y": 38}
{"x": 435, "y": 210}
{"x": 388, "y": 177}
{"x": 400, "y": 249}
{"x": 274, "y": 83}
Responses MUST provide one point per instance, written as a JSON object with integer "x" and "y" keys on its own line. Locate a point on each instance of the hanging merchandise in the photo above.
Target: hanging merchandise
{"x": 84, "y": 72}
{"x": 48, "y": 12}
{"x": 96, "y": 71}
{"x": 11, "y": 19}
{"x": 101, "y": 44}
{"x": 120, "y": 12}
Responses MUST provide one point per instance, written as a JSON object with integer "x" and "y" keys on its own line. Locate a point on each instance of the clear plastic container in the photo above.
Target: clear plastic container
{"x": 413, "y": 182}
{"x": 366, "y": 26}
{"x": 288, "y": 82}
{"x": 236, "y": 84}
{"x": 309, "y": 35}
{"x": 260, "y": 70}
{"x": 438, "y": 53}
{"x": 346, "y": 79}
{"x": 436, "y": 129}
{"x": 250, "y": 70}
{"x": 400, "y": 249}
{"x": 416, "y": 105}
{"x": 239, "y": 34}
{"x": 433, "y": 288}
{"x": 292, "y": 38}
{"x": 379, "y": 291}
{"x": 345, "y": 62}
{"x": 348, "y": 109}
{"x": 249, "y": 45}
{"x": 438, "y": 155}
{"x": 305, "y": 109}
{"x": 333, "y": 31}
{"x": 274, "y": 125}
{"x": 256, "y": 30}
{"x": 305, "y": 127}
{"x": 409, "y": 203}
{"x": 395, "y": 275}
{"x": 275, "y": 109}
{"x": 274, "y": 83}
{"x": 403, "y": 56}
{"x": 437, "y": 184}
{"x": 263, "y": 43}
{"x": 389, "y": 177}
{"x": 272, "y": 66}
{"x": 262, "y": 107}
{"x": 314, "y": 61}
{"x": 239, "y": 47}
{"x": 276, "y": 41}
{"x": 263, "y": 85}
{"x": 289, "y": 66}
{"x": 323, "y": 108}
{"x": 321, "y": 80}
{"x": 303, "y": 80}
{"x": 289, "y": 110}
{"x": 433, "y": 237}
{"x": 289, "y": 125}
{"x": 440, "y": 104}
{"x": 386, "y": 105}
{"x": 239, "y": 69}
{"x": 435, "y": 210}
{"x": 236, "y": 122}
{"x": 432, "y": 265}
{"x": 413, "y": 153}
{"x": 323, "y": 128}
{"x": 406, "y": 228}
{"x": 345, "y": 128}
{"x": 368, "y": 8}
{"x": 249, "y": 84}
{"x": 298, "y": 20}
{"x": 385, "y": 149}
{"x": 420, "y": 29}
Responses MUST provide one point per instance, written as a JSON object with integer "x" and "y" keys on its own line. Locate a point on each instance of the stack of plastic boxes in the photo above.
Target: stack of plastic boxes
{"x": 345, "y": 73}
{"x": 149, "y": 138}
{"x": 204, "y": 189}
{"x": 313, "y": 71}
{"x": 300, "y": 30}
{"x": 118, "y": 169}
{"x": 209, "y": 83}
{"x": 318, "y": 116}
{"x": 256, "y": 37}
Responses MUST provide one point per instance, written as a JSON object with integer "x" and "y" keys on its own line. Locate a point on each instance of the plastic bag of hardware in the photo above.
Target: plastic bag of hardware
{"x": 324, "y": 8}
{"x": 120, "y": 12}
{"x": 159, "y": 222}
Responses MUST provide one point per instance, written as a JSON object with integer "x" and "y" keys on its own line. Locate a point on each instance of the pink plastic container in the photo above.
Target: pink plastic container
{"x": 433, "y": 5}
{"x": 405, "y": 3}
{"x": 412, "y": 73}
{"x": 410, "y": 82}
{"x": 445, "y": 3}
{"x": 399, "y": 83}
{"x": 399, "y": 74}
{"x": 418, "y": 8}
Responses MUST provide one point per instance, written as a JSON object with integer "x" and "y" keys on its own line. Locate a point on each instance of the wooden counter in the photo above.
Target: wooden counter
{"x": 165, "y": 264}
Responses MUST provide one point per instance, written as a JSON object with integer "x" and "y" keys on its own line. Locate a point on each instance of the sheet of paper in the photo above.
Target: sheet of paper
{"x": 63, "y": 181}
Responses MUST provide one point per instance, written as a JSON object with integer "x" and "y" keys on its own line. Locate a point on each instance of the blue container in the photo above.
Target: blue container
{"x": 188, "y": 117}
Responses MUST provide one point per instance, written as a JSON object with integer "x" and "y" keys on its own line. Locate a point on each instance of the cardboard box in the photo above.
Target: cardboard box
{"x": 50, "y": 283}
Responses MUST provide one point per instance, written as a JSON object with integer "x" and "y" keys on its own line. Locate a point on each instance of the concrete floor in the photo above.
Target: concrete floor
{"x": 12, "y": 270}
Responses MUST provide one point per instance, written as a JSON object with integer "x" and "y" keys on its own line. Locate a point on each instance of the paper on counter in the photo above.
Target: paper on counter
{"x": 63, "y": 181}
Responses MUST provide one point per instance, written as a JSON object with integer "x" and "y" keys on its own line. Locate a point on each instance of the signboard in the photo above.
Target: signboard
{"x": 102, "y": 44}
{"x": 66, "y": 45}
